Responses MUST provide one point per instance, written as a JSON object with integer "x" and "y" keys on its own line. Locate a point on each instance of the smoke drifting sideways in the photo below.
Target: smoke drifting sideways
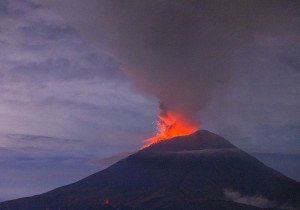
{"x": 178, "y": 51}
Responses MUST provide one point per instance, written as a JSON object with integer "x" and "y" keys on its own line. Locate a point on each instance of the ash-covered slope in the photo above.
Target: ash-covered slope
{"x": 199, "y": 171}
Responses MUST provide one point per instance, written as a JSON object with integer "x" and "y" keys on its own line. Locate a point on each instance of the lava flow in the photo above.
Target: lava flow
{"x": 170, "y": 125}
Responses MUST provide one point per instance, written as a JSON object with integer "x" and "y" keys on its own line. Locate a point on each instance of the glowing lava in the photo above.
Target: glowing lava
{"x": 170, "y": 125}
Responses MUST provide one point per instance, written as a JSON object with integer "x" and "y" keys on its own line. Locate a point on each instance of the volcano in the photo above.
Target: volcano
{"x": 197, "y": 171}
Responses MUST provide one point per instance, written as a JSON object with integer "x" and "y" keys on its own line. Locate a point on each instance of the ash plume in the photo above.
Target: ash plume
{"x": 178, "y": 51}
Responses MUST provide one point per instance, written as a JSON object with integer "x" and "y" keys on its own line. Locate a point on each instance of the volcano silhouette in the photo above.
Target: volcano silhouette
{"x": 198, "y": 171}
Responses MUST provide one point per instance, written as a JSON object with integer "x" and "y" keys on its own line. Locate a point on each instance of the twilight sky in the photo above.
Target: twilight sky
{"x": 67, "y": 108}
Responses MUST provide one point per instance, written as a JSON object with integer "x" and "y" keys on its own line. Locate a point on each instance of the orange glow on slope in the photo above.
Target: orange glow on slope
{"x": 171, "y": 125}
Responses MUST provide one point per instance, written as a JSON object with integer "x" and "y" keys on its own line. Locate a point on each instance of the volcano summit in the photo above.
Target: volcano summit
{"x": 198, "y": 171}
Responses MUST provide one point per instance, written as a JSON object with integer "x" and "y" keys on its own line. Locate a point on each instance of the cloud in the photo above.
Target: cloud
{"x": 84, "y": 109}
{"x": 53, "y": 83}
{"x": 257, "y": 200}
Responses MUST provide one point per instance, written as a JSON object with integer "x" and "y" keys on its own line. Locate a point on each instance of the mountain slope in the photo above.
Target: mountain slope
{"x": 188, "y": 172}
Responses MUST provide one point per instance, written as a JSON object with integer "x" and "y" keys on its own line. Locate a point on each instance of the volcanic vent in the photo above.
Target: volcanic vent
{"x": 198, "y": 171}
{"x": 171, "y": 124}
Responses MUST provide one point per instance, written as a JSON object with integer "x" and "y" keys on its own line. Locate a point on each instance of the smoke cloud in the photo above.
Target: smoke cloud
{"x": 256, "y": 200}
{"x": 179, "y": 51}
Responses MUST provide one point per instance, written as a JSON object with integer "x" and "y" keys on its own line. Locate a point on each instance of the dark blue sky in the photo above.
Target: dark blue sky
{"x": 67, "y": 108}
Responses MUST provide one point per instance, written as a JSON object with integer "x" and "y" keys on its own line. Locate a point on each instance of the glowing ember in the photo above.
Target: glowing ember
{"x": 171, "y": 125}
{"x": 106, "y": 202}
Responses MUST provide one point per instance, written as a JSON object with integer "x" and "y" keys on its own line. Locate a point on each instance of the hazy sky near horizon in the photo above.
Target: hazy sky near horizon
{"x": 65, "y": 103}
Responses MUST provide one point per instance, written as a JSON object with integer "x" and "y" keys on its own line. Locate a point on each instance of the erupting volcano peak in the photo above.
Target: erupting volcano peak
{"x": 171, "y": 125}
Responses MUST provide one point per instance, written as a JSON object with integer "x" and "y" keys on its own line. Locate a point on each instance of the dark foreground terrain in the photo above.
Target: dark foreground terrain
{"x": 199, "y": 171}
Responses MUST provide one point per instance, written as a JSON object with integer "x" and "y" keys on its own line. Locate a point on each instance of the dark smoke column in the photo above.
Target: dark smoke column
{"x": 179, "y": 51}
